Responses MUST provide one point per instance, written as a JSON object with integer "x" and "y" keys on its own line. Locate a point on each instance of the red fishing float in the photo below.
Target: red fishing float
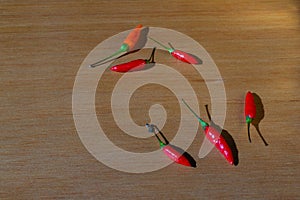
{"x": 178, "y": 54}
{"x": 128, "y": 44}
{"x": 134, "y": 65}
{"x": 214, "y": 136}
{"x": 250, "y": 111}
{"x": 174, "y": 153}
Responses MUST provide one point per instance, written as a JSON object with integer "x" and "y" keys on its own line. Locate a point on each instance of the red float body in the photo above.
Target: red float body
{"x": 250, "y": 108}
{"x": 183, "y": 56}
{"x": 214, "y": 136}
{"x": 134, "y": 65}
{"x": 175, "y": 155}
{"x": 220, "y": 143}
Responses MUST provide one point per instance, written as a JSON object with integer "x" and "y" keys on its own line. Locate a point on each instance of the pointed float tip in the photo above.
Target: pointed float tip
{"x": 114, "y": 68}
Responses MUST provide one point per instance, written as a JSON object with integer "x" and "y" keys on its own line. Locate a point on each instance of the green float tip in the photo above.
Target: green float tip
{"x": 203, "y": 123}
{"x": 124, "y": 48}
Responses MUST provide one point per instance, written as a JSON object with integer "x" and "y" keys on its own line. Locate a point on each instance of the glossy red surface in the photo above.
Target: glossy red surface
{"x": 185, "y": 57}
{"x": 250, "y": 108}
{"x": 176, "y": 156}
{"x": 134, "y": 65}
{"x": 220, "y": 143}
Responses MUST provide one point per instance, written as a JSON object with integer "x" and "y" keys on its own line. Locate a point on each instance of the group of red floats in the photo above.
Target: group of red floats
{"x": 211, "y": 133}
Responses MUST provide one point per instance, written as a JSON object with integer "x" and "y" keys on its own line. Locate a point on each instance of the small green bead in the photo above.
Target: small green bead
{"x": 248, "y": 119}
{"x": 161, "y": 144}
{"x": 124, "y": 47}
{"x": 203, "y": 124}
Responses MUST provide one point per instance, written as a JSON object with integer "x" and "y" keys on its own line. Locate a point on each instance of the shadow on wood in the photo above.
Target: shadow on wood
{"x": 260, "y": 114}
{"x": 197, "y": 60}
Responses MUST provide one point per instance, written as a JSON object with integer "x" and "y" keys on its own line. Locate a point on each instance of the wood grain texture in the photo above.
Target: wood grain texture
{"x": 255, "y": 44}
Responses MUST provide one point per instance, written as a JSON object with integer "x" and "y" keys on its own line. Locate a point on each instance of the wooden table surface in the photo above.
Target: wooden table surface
{"x": 255, "y": 45}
